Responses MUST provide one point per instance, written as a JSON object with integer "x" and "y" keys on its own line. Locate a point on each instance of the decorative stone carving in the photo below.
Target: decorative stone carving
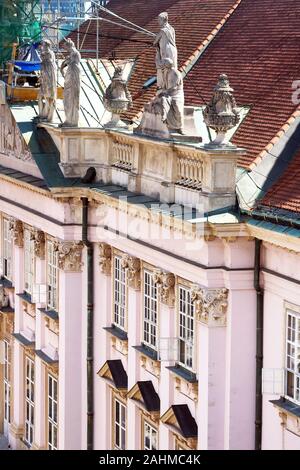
{"x": 221, "y": 114}
{"x": 189, "y": 389}
{"x": 12, "y": 142}
{"x": 210, "y": 305}
{"x": 4, "y": 298}
{"x": 117, "y": 99}
{"x": 47, "y": 91}
{"x": 164, "y": 115}
{"x": 133, "y": 268}
{"x": 150, "y": 365}
{"x": 165, "y": 43}
{"x": 165, "y": 282}
{"x": 69, "y": 256}
{"x": 72, "y": 84}
{"x": 39, "y": 243}
{"x": 17, "y": 231}
{"x": 105, "y": 258}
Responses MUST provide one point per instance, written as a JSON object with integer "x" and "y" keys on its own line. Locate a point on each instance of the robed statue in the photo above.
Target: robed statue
{"x": 47, "y": 90}
{"x": 72, "y": 84}
{"x": 165, "y": 43}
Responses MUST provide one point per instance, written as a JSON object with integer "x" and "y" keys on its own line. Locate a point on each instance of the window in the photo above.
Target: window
{"x": 52, "y": 276}
{"x": 29, "y": 261}
{"x": 293, "y": 356}
{"x": 150, "y": 311}
{"x": 119, "y": 293}
{"x": 186, "y": 328}
{"x": 119, "y": 425}
{"x": 52, "y": 413}
{"x": 149, "y": 437}
{"x": 7, "y": 250}
{"x": 7, "y": 386}
{"x": 29, "y": 400}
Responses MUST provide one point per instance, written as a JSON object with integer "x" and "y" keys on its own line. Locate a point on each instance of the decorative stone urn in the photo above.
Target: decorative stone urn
{"x": 221, "y": 114}
{"x": 117, "y": 99}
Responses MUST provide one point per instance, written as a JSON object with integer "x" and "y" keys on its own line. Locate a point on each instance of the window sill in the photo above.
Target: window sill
{"x": 151, "y": 353}
{"x": 7, "y": 310}
{"x": 183, "y": 373}
{"x": 24, "y": 341}
{"x": 6, "y": 283}
{"x": 49, "y": 313}
{"x": 117, "y": 332}
{"x": 45, "y": 357}
{"x": 26, "y": 297}
{"x": 287, "y": 405}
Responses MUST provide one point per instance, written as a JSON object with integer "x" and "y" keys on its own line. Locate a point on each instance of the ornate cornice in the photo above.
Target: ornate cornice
{"x": 69, "y": 256}
{"x": 165, "y": 282}
{"x": 210, "y": 305}
{"x": 39, "y": 243}
{"x": 17, "y": 231}
{"x": 105, "y": 258}
{"x": 133, "y": 269}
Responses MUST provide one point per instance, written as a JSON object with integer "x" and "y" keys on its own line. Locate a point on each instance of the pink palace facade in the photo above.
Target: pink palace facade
{"x": 128, "y": 319}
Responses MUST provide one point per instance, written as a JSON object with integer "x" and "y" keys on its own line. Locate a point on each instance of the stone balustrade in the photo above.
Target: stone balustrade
{"x": 171, "y": 172}
{"x": 123, "y": 155}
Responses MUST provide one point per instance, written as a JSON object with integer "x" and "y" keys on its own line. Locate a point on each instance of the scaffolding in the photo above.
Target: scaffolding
{"x": 20, "y": 22}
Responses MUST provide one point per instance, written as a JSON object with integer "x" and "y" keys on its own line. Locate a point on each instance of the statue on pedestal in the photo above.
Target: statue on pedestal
{"x": 47, "y": 91}
{"x": 72, "y": 84}
{"x": 117, "y": 99}
{"x": 165, "y": 43}
{"x": 222, "y": 114}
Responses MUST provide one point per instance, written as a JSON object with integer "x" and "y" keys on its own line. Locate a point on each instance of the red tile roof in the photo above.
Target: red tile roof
{"x": 285, "y": 193}
{"x": 259, "y": 49}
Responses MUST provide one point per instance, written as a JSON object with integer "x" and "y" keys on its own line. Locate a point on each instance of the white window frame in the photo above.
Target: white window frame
{"x": 152, "y": 433}
{"x": 119, "y": 426}
{"x": 7, "y": 249}
{"x": 29, "y": 400}
{"x": 292, "y": 356}
{"x": 120, "y": 294}
{"x": 29, "y": 262}
{"x": 7, "y": 381}
{"x": 150, "y": 311}
{"x": 52, "y": 276}
{"x": 52, "y": 416}
{"x": 186, "y": 328}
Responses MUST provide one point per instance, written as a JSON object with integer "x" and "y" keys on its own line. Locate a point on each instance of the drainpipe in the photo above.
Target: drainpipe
{"x": 90, "y": 326}
{"x": 259, "y": 344}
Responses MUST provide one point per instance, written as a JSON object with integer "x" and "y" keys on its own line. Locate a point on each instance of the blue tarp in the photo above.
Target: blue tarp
{"x": 30, "y": 59}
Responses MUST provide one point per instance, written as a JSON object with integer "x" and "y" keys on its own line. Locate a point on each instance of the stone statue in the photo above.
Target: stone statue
{"x": 72, "y": 84}
{"x": 47, "y": 91}
{"x": 172, "y": 97}
{"x": 117, "y": 98}
{"x": 222, "y": 114}
{"x": 166, "y": 47}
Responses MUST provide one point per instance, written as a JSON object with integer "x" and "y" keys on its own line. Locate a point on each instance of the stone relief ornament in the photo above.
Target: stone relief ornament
{"x": 133, "y": 270}
{"x": 222, "y": 114}
{"x": 165, "y": 282}
{"x": 16, "y": 228}
{"x": 38, "y": 238}
{"x": 4, "y": 298}
{"x": 117, "y": 99}
{"x": 72, "y": 84}
{"x": 105, "y": 258}
{"x": 210, "y": 305}
{"x": 12, "y": 143}
{"x": 69, "y": 256}
{"x": 47, "y": 91}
